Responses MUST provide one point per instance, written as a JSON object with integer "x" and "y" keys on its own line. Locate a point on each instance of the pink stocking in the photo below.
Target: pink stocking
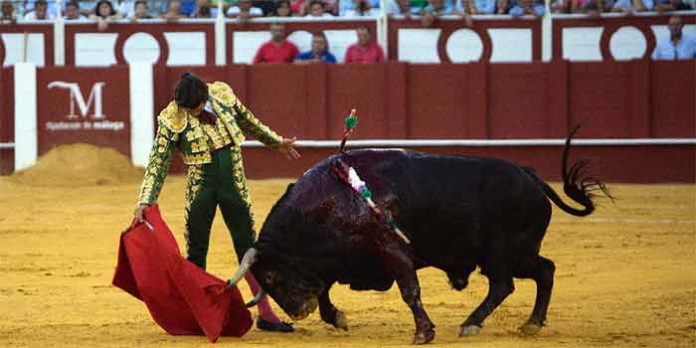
{"x": 265, "y": 310}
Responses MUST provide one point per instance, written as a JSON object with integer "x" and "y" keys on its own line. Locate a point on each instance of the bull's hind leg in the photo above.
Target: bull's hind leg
{"x": 500, "y": 286}
{"x": 329, "y": 313}
{"x": 541, "y": 270}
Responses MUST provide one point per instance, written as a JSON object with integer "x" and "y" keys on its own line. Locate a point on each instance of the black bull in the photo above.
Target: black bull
{"x": 459, "y": 212}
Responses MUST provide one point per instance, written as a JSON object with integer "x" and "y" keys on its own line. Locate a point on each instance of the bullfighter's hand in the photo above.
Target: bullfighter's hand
{"x": 138, "y": 212}
{"x": 287, "y": 147}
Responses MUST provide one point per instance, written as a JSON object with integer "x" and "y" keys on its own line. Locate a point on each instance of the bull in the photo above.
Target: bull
{"x": 457, "y": 212}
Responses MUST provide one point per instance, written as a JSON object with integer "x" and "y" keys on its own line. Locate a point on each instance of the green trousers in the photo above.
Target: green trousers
{"x": 220, "y": 183}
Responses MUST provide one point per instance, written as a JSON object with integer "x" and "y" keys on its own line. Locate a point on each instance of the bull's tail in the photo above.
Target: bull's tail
{"x": 580, "y": 188}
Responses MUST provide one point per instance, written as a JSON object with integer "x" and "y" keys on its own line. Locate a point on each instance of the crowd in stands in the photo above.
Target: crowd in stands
{"x": 595, "y": 7}
{"x": 13, "y": 10}
{"x": 365, "y": 50}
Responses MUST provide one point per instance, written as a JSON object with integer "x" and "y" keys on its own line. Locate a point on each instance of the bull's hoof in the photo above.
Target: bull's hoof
{"x": 424, "y": 337}
{"x": 469, "y": 330}
{"x": 530, "y": 328}
{"x": 341, "y": 321}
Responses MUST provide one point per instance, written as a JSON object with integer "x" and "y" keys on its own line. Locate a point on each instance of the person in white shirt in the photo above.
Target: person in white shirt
{"x": 678, "y": 46}
{"x": 40, "y": 12}
{"x": 72, "y": 12}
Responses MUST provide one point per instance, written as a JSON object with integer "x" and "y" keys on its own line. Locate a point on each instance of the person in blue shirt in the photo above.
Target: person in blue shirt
{"x": 319, "y": 52}
{"x": 475, "y": 7}
{"x": 527, "y": 7}
{"x": 679, "y": 46}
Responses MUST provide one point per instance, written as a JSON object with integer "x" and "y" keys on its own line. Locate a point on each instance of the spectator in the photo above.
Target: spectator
{"x": 671, "y": 5}
{"x": 30, "y": 5}
{"x": 282, "y": 9}
{"x": 142, "y": 10}
{"x": 316, "y": 9}
{"x": 630, "y": 6}
{"x": 679, "y": 46}
{"x": 362, "y": 8}
{"x": 278, "y": 50}
{"x": 244, "y": 10}
{"x": 346, "y": 5}
{"x": 590, "y": 7}
{"x": 365, "y": 51}
{"x": 125, "y": 7}
{"x": 298, "y": 7}
{"x": 319, "y": 52}
{"x": 400, "y": 8}
{"x": 104, "y": 14}
{"x": 204, "y": 10}
{"x": 475, "y": 7}
{"x": 8, "y": 13}
{"x": 331, "y": 6}
{"x": 185, "y": 8}
{"x": 576, "y": 6}
{"x": 439, "y": 8}
{"x": 104, "y": 10}
{"x": 40, "y": 12}
{"x": 173, "y": 12}
{"x": 528, "y": 7}
{"x": 72, "y": 12}
{"x": 560, "y": 6}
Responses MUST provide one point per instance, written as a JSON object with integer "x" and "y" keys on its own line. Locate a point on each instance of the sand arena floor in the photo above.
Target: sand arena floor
{"x": 626, "y": 276}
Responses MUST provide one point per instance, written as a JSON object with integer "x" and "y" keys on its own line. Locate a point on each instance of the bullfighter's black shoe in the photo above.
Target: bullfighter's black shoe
{"x": 278, "y": 327}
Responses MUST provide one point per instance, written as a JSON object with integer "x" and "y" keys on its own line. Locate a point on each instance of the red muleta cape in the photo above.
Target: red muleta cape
{"x": 182, "y": 298}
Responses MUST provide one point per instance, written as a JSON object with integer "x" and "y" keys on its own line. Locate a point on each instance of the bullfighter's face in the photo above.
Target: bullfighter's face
{"x": 295, "y": 291}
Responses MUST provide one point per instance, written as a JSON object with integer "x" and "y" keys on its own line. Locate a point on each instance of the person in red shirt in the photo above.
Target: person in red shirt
{"x": 278, "y": 50}
{"x": 365, "y": 51}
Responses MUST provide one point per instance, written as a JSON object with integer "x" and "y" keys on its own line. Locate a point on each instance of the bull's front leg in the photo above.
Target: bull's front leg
{"x": 407, "y": 280}
{"x": 329, "y": 313}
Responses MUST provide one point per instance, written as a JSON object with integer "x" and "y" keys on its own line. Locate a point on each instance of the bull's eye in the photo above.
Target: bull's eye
{"x": 269, "y": 277}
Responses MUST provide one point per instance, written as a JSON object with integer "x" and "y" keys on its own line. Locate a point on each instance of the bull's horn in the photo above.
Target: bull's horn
{"x": 247, "y": 261}
{"x": 258, "y": 298}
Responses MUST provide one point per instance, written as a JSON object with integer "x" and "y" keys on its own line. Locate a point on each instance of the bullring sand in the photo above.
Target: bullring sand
{"x": 626, "y": 275}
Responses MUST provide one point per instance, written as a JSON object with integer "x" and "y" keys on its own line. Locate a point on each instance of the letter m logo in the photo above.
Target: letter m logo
{"x": 76, "y": 98}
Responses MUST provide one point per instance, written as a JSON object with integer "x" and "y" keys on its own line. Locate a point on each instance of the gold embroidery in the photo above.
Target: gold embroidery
{"x": 238, "y": 175}
{"x": 158, "y": 165}
{"x": 199, "y": 158}
{"x": 194, "y": 181}
{"x": 173, "y": 118}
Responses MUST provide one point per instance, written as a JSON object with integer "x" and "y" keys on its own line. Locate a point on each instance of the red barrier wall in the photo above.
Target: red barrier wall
{"x": 636, "y": 99}
{"x": 6, "y": 119}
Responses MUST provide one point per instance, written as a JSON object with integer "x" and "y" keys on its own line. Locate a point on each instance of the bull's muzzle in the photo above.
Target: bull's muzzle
{"x": 307, "y": 308}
